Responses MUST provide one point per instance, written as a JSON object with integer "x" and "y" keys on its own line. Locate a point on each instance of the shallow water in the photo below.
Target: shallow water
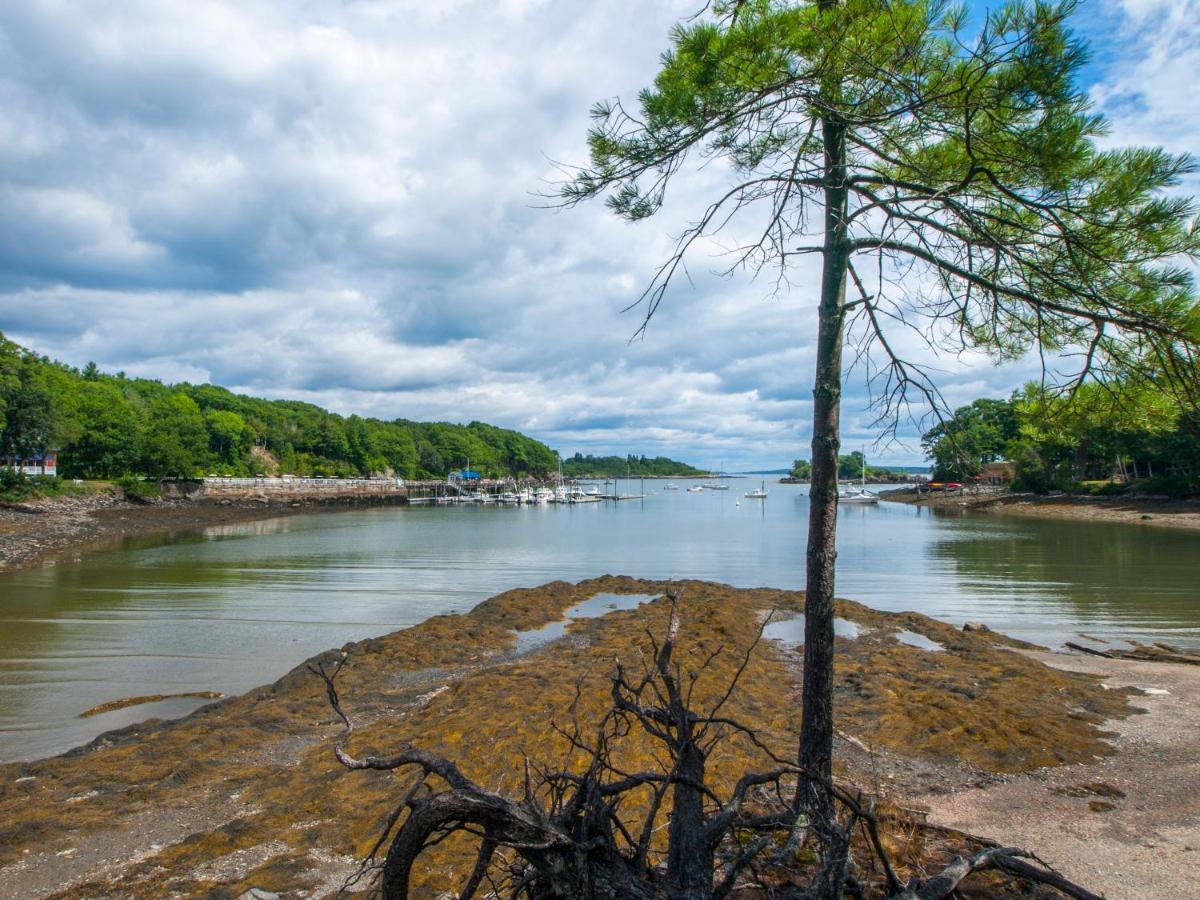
{"x": 236, "y": 606}
{"x": 591, "y": 608}
{"x": 790, "y": 631}
{"x": 913, "y": 639}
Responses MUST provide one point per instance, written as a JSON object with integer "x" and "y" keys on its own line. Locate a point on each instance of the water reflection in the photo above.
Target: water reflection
{"x": 1045, "y": 578}
{"x": 236, "y": 606}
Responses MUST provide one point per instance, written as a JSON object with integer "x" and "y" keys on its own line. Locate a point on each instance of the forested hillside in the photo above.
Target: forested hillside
{"x": 109, "y": 425}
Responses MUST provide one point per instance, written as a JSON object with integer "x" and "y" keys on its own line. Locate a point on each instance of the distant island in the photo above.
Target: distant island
{"x": 850, "y": 468}
{"x": 580, "y": 466}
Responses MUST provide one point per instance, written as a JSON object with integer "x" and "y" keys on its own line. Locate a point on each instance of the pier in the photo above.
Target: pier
{"x": 298, "y": 490}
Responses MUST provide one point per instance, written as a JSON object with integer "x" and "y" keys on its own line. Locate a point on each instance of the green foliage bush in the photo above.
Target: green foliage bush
{"x": 14, "y": 487}
{"x": 1167, "y": 486}
{"x": 1058, "y": 443}
{"x": 1108, "y": 489}
{"x": 136, "y": 488}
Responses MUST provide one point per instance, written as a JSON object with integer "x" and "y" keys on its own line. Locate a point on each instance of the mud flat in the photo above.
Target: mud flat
{"x": 245, "y": 793}
{"x": 1151, "y": 512}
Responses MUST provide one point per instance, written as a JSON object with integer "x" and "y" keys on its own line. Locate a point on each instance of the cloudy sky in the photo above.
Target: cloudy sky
{"x": 338, "y": 202}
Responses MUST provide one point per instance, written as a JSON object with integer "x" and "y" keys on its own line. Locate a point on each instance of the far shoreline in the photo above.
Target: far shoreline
{"x": 48, "y": 531}
{"x": 45, "y": 532}
{"x": 1155, "y": 512}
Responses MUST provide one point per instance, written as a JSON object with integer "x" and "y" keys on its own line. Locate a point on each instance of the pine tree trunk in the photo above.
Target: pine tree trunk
{"x": 816, "y": 732}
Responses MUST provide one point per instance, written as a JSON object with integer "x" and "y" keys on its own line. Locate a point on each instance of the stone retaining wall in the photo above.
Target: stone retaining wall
{"x": 284, "y": 489}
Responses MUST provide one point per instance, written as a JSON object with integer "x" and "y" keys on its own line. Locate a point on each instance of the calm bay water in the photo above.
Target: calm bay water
{"x": 230, "y": 608}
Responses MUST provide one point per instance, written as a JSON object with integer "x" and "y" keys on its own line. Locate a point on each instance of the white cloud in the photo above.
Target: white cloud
{"x": 337, "y": 202}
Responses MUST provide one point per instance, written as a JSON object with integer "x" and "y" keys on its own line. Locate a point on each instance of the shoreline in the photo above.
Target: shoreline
{"x": 45, "y": 532}
{"x": 1146, "y": 511}
{"x": 1126, "y": 825}
{"x": 244, "y": 793}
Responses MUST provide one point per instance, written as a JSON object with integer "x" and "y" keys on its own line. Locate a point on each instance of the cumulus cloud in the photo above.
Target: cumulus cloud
{"x": 338, "y": 202}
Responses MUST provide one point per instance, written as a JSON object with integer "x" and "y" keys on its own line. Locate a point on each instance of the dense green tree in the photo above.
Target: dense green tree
{"x": 108, "y": 443}
{"x": 230, "y": 438}
{"x": 29, "y": 421}
{"x": 176, "y": 438}
{"x": 976, "y": 434}
{"x": 1131, "y": 428}
{"x": 946, "y": 175}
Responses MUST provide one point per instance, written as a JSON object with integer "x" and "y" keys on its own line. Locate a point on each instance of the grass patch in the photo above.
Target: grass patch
{"x": 18, "y": 488}
{"x": 136, "y": 488}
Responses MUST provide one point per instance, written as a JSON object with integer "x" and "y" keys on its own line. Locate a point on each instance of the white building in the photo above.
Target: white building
{"x": 39, "y": 464}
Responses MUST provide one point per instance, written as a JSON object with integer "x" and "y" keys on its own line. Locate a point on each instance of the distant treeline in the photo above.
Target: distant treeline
{"x": 106, "y": 426}
{"x": 580, "y": 466}
{"x": 1057, "y": 442}
{"x": 850, "y": 467}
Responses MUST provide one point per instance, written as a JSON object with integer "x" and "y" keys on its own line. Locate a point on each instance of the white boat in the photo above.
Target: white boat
{"x": 543, "y": 495}
{"x": 859, "y": 495}
{"x": 856, "y": 495}
{"x": 718, "y": 485}
{"x": 760, "y": 494}
{"x": 671, "y": 487}
{"x": 695, "y": 489}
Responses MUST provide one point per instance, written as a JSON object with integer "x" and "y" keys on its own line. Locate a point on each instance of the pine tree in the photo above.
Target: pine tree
{"x": 950, "y": 182}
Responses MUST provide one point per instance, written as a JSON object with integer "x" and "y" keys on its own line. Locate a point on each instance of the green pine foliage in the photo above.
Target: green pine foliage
{"x": 108, "y": 426}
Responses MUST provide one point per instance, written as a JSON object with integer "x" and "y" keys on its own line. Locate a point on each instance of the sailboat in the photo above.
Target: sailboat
{"x": 718, "y": 485}
{"x": 760, "y": 494}
{"x": 858, "y": 495}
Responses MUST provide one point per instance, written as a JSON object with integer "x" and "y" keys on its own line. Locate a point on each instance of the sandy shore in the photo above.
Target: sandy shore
{"x": 1148, "y": 512}
{"x": 1126, "y": 825}
{"x": 244, "y": 793}
{"x": 47, "y": 531}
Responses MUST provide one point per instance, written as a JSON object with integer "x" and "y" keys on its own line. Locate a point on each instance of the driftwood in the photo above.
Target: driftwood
{"x": 1007, "y": 859}
{"x": 570, "y": 835}
{"x": 1143, "y": 652}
